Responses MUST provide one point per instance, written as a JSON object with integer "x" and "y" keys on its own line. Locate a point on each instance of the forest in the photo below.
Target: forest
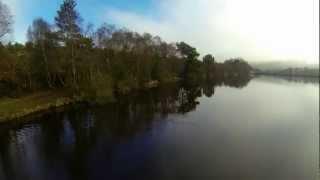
{"x": 98, "y": 63}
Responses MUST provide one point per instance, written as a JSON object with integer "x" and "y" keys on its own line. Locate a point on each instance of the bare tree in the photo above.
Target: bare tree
{"x": 6, "y": 20}
{"x": 39, "y": 34}
{"x": 104, "y": 34}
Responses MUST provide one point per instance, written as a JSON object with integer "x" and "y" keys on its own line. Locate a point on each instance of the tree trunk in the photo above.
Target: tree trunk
{"x": 45, "y": 58}
{"x": 61, "y": 80}
{"x": 73, "y": 65}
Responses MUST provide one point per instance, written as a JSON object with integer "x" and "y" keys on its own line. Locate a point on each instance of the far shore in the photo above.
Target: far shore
{"x": 288, "y": 75}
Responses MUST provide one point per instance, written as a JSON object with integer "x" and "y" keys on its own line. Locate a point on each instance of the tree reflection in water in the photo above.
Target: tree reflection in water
{"x": 63, "y": 145}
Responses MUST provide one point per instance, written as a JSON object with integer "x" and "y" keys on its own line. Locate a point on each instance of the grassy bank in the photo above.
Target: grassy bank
{"x": 14, "y": 108}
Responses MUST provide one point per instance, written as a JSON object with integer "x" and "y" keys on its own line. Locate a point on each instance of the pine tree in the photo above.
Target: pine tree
{"x": 68, "y": 20}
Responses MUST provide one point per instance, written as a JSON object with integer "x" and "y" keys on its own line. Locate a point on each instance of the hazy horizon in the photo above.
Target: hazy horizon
{"x": 258, "y": 31}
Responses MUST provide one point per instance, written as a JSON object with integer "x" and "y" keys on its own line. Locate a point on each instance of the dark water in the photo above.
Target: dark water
{"x": 267, "y": 129}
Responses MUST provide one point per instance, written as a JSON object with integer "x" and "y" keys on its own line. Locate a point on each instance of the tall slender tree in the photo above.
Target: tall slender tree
{"x": 68, "y": 22}
{"x": 39, "y": 34}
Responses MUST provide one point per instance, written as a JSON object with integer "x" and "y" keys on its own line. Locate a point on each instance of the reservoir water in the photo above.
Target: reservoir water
{"x": 265, "y": 129}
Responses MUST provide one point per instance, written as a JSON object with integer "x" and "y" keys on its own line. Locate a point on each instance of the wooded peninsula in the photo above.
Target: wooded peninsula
{"x": 66, "y": 62}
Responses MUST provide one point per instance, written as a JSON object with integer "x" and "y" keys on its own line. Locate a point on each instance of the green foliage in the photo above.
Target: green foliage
{"x": 97, "y": 89}
{"x": 208, "y": 60}
{"x": 209, "y": 66}
{"x": 68, "y": 19}
{"x": 187, "y": 51}
{"x": 192, "y": 73}
{"x": 237, "y": 67}
{"x": 97, "y": 65}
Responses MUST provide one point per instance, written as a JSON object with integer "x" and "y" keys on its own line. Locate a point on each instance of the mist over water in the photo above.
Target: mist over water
{"x": 266, "y": 128}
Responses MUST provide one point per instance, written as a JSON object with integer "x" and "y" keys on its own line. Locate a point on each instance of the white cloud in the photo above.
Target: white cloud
{"x": 253, "y": 29}
{"x": 16, "y": 10}
{"x": 24, "y": 12}
{"x": 13, "y": 5}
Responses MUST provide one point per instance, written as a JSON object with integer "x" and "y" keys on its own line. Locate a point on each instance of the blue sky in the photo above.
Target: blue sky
{"x": 257, "y": 30}
{"x": 25, "y": 11}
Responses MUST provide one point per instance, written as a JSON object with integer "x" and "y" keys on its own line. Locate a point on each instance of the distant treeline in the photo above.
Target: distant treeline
{"x": 96, "y": 63}
{"x": 299, "y": 72}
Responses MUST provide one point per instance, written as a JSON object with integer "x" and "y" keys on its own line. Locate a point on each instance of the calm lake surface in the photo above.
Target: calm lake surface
{"x": 265, "y": 129}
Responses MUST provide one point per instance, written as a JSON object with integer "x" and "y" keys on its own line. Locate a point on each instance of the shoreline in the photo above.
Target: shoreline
{"x": 12, "y": 109}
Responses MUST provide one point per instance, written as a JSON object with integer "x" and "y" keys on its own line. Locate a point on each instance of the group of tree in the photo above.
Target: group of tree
{"x": 99, "y": 62}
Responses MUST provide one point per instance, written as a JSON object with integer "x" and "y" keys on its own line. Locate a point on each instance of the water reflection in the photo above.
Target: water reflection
{"x": 294, "y": 79}
{"x": 137, "y": 138}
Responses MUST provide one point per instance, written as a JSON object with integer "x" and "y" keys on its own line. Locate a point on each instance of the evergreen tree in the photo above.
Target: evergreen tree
{"x": 68, "y": 20}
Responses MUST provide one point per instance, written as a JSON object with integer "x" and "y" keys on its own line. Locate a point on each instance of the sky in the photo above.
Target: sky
{"x": 256, "y": 30}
